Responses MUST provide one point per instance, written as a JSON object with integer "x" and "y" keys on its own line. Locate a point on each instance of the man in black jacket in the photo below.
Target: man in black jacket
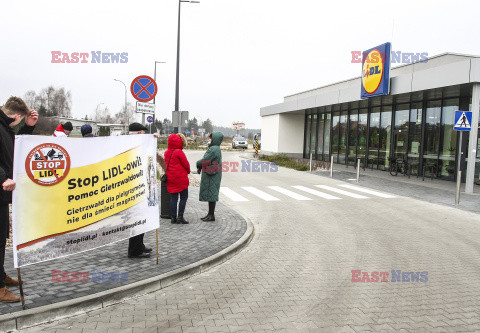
{"x": 11, "y": 114}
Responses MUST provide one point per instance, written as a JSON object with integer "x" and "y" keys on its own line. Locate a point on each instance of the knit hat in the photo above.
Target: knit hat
{"x": 86, "y": 129}
{"x": 68, "y": 126}
{"x": 136, "y": 127}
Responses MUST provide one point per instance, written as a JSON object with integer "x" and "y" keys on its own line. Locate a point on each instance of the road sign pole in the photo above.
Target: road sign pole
{"x": 358, "y": 170}
{"x": 457, "y": 194}
{"x": 460, "y": 153}
{"x": 459, "y": 171}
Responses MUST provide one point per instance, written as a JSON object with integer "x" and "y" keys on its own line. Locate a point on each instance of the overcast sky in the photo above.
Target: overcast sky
{"x": 236, "y": 56}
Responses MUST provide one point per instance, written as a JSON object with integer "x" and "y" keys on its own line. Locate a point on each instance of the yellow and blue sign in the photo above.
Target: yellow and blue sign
{"x": 376, "y": 71}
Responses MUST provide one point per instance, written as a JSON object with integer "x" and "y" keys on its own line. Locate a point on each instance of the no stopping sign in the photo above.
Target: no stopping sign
{"x": 143, "y": 88}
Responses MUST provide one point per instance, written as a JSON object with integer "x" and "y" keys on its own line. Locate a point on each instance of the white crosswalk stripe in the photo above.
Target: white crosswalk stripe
{"x": 349, "y": 194}
{"x": 368, "y": 191}
{"x": 237, "y": 197}
{"x": 289, "y": 193}
{"x": 317, "y": 193}
{"x": 262, "y": 195}
{"x": 232, "y": 195}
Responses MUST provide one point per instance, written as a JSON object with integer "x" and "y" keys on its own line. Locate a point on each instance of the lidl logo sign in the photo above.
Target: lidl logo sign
{"x": 376, "y": 71}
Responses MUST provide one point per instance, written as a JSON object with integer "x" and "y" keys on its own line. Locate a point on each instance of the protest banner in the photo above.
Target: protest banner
{"x": 77, "y": 194}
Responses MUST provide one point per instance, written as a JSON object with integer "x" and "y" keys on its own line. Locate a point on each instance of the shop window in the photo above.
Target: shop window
{"x": 362, "y": 135}
{"x": 385, "y": 136}
{"x": 342, "y": 144}
{"x": 352, "y": 137}
{"x": 432, "y": 136}
{"x": 306, "y": 152}
{"x": 400, "y": 141}
{"x": 335, "y": 135}
{"x": 320, "y": 133}
{"x": 374, "y": 138}
{"x": 326, "y": 146}
{"x": 415, "y": 137}
{"x": 313, "y": 136}
{"x": 448, "y": 143}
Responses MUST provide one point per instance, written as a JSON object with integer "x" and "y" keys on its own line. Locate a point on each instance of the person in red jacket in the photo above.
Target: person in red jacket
{"x": 177, "y": 172}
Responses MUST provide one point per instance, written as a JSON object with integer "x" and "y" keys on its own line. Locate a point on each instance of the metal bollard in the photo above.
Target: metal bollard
{"x": 311, "y": 155}
{"x": 459, "y": 181}
{"x": 358, "y": 170}
{"x": 331, "y": 167}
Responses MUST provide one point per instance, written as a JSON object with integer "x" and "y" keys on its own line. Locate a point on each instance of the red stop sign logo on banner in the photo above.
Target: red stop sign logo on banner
{"x": 47, "y": 164}
{"x": 143, "y": 88}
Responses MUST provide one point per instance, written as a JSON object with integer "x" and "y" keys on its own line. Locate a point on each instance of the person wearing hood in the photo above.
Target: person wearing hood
{"x": 210, "y": 166}
{"x": 63, "y": 129}
{"x": 86, "y": 131}
{"x": 177, "y": 172}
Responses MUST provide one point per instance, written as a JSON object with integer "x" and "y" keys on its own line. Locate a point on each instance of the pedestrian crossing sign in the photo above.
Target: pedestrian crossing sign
{"x": 463, "y": 121}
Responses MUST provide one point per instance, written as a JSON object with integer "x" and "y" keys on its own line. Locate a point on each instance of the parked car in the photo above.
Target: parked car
{"x": 239, "y": 142}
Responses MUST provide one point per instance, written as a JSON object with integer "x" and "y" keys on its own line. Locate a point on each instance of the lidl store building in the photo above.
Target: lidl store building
{"x": 413, "y": 120}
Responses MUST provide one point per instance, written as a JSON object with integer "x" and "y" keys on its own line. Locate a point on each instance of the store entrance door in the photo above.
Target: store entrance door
{"x": 400, "y": 144}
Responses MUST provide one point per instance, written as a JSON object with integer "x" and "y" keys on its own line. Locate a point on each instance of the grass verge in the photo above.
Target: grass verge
{"x": 285, "y": 161}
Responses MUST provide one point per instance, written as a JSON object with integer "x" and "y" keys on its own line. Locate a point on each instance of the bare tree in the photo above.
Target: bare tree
{"x": 61, "y": 103}
{"x": 29, "y": 98}
{"x": 103, "y": 116}
{"x": 47, "y": 94}
{"x": 129, "y": 117}
{"x": 51, "y": 101}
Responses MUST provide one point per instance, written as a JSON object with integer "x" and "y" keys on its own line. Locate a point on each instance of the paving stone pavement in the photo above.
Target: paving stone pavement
{"x": 179, "y": 246}
{"x": 296, "y": 273}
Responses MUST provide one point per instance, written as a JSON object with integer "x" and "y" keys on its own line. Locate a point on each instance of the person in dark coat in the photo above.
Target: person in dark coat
{"x": 210, "y": 166}
{"x": 177, "y": 172}
{"x": 136, "y": 247}
{"x": 11, "y": 114}
{"x": 63, "y": 129}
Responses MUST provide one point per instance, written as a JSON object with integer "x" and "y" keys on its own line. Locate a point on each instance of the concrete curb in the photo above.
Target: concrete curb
{"x": 82, "y": 305}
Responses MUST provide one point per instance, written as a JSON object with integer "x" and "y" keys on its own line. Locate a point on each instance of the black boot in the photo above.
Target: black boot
{"x": 203, "y": 218}
{"x": 210, "y": 218}
{"x": 174, "y": 220}
{"x": 181, "y": 220}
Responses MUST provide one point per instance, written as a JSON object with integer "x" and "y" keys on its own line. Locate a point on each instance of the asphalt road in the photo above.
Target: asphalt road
{"x": 297, "y": 272}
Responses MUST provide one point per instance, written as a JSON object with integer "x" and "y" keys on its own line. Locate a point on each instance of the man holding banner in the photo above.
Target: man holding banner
{"x": 11, "y": 114}
{"x": 70, "y": 199}
{"x": 136, "y": 247}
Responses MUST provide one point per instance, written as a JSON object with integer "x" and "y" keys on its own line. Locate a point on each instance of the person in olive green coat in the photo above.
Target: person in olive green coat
{"x": 210, "y": 166}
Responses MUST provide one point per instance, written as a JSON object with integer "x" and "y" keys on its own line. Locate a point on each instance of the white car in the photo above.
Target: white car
{"x": 239, "y": 142}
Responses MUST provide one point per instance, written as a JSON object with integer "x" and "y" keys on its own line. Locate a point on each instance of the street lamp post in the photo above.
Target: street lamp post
{"x": 155, "y": 79}
{"x": 125, "y": 109}
{"x": 178, "y": 55}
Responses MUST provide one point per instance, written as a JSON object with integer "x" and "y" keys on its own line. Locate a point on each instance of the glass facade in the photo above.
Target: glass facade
{"x": 416, "y": 127}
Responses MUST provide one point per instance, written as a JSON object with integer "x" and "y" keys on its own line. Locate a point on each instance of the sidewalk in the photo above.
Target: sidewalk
{"x": 179, "y": 246}
{"x": 434, "y": 191}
